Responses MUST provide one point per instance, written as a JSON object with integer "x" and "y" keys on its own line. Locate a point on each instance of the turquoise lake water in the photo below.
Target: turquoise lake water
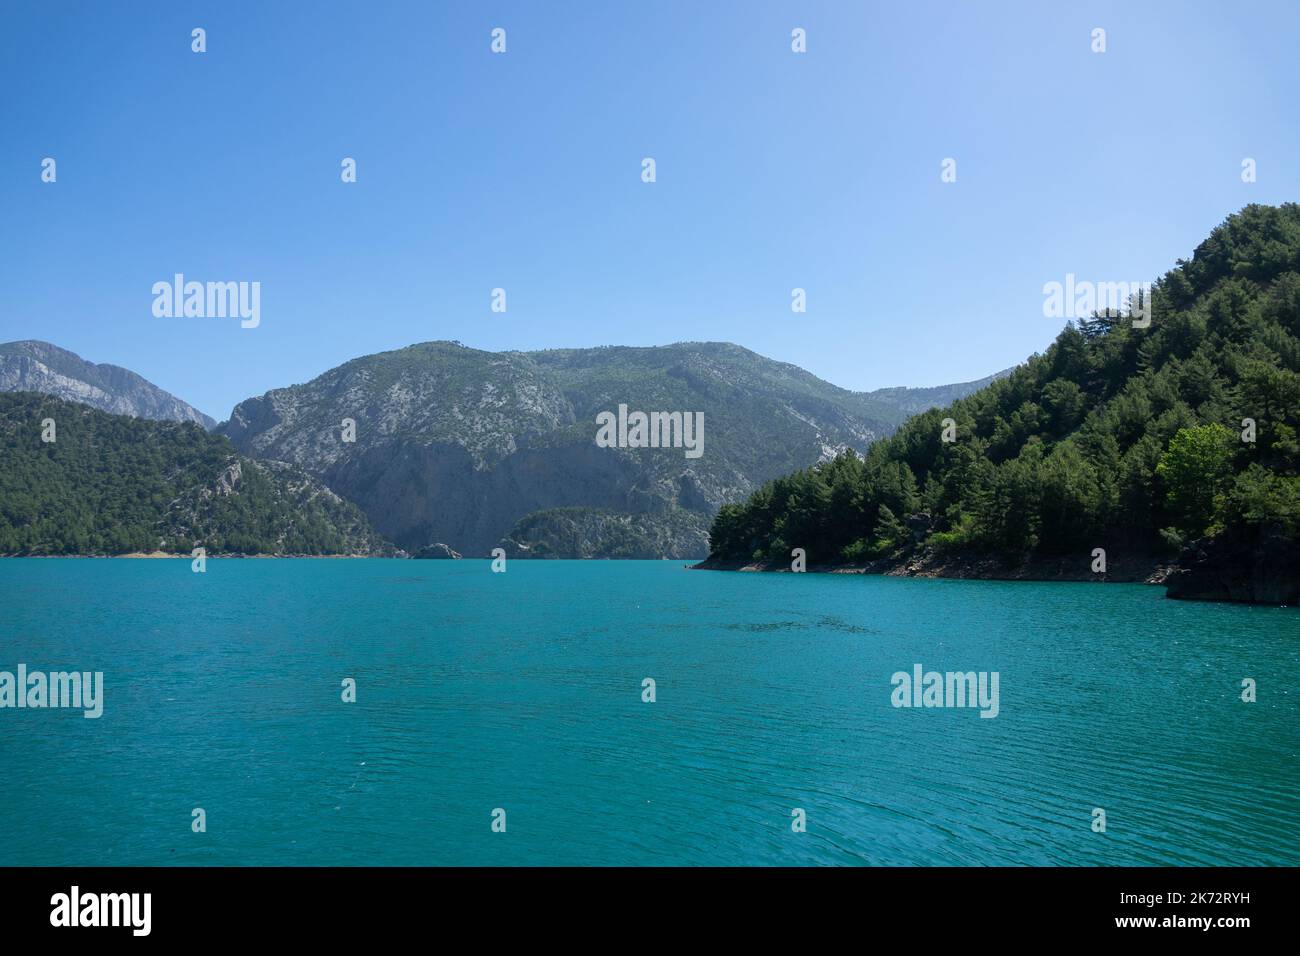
{"x": 523, "y": 691}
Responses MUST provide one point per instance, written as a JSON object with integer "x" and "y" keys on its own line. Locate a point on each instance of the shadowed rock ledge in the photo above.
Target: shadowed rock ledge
{"x": 1258, "y": 568}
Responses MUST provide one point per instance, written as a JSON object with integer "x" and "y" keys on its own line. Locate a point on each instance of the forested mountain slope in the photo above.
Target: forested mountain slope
{"x": 113, "y": 484}
{"x": 1175, "y": 440}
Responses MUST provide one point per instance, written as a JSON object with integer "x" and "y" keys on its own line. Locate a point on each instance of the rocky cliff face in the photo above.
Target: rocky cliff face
{"x": 439, "y": 442}
{"x": 32, "y": 366}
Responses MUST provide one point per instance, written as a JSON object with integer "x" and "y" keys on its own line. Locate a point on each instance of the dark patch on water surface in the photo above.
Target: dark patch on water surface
{"x": 838, "y": 624}
{"x": 766, "y": 626}
{"x": 842, "y": 625}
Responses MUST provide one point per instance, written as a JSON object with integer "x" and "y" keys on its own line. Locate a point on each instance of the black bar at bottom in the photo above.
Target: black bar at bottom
{"x": 335, "y": 905}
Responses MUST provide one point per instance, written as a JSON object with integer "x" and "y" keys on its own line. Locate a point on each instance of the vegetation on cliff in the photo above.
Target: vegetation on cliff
{"x": 113, "y": 484}
{"x": 595, "y": 533}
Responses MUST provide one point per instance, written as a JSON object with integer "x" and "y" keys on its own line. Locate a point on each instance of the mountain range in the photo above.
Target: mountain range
{"x": 479, "y": 450}
{"x": 1162, "y": 450}
{"x": 458, "y": 445}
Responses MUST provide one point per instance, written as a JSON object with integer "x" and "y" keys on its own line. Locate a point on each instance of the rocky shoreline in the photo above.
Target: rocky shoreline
{"x": 1265, "y": 570}
{"x": 1124, "y": 569}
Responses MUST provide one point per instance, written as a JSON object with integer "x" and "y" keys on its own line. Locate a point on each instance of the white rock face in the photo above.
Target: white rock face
{"x": 32, "y": 366}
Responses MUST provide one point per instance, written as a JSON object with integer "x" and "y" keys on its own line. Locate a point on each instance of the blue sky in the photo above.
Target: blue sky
{"x": 522, "y": 171}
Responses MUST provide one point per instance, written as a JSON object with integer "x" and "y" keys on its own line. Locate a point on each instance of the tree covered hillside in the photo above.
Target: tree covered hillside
{"x": 1117, "y": 437}
{"x": 111, "y": 484}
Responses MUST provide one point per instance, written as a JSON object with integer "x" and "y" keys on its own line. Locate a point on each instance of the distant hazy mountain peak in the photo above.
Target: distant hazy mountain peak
{"x": 31, "y": 365}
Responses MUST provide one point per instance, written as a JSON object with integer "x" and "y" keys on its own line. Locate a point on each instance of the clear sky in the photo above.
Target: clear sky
{"x": 522, "y": 171}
